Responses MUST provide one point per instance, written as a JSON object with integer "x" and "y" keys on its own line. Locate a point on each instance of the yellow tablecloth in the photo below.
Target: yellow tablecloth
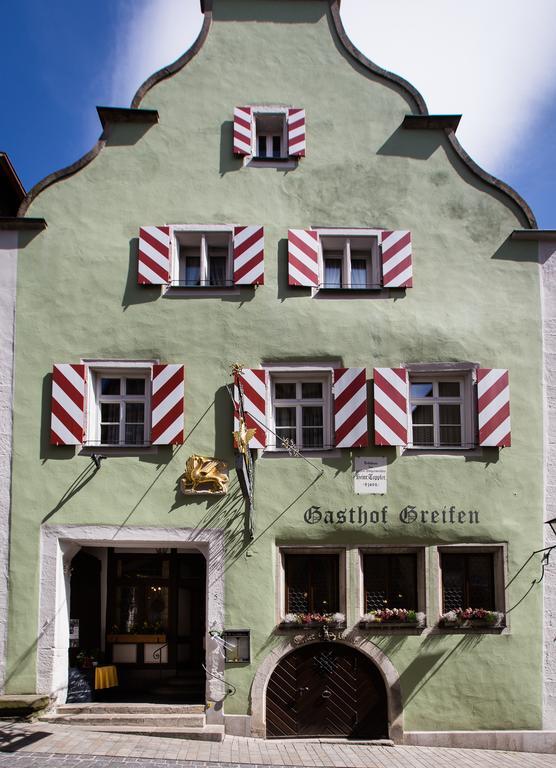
{"x": 106, "y": 677}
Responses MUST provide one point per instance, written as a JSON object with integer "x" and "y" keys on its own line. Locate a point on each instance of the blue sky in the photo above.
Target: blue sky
{"x": 486, "y": 60}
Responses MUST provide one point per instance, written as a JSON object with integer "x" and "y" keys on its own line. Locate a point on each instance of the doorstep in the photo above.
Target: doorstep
{"x": 22, "y": 705}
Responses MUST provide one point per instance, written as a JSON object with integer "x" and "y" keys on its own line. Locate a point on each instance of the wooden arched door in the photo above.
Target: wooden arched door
{"x": 326, "y": 689}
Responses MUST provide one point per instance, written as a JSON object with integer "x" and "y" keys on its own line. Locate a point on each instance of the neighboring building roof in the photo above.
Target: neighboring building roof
{"x": 12, "y": 190}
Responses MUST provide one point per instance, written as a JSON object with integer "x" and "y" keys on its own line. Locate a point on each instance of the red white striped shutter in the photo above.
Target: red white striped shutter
{"x": 397, "y": 266}
{"x": 153, "y": 264}
{"x": 391, "y": 392}
{"x": 243, "y": 130}
{"x": 167, "y": 405}
{"x": 303, "y": 257}
{"x": 248, "y": 255}
{"x": 493, "y": 393}
{"x": 350, "y": 408}
{"x": 296, "y": 133}
{"x": 67, "y": 418}
{"x": 253, "y": 385}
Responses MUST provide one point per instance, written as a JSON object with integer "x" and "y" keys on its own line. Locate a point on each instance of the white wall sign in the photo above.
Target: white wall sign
{"x": 370, "y": 474}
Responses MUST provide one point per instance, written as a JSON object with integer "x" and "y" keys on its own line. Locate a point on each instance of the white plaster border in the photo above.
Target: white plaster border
{"x": 364, "y": 646}
{"x": 60, "y": 543}
{"x": 547, "y": 261}
{"x": 8, "y": 280}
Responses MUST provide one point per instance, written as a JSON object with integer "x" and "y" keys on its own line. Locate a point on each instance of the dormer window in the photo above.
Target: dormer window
{"x": 270, "y": 135}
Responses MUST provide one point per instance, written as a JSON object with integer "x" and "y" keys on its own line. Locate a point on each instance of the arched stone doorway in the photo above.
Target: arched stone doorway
{"x": 326, "y": 689}
{"x": 364, "y": 650}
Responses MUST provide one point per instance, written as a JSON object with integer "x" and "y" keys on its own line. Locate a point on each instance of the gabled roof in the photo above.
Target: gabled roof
{"x": 419, "y": 120}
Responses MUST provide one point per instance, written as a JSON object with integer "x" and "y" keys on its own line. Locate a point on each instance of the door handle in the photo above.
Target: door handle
{"x": 326, "y": 694}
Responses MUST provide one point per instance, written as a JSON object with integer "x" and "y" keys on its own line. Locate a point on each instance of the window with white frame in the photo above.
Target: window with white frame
{"x": 349, "y": 262}
{"x": 300, "y": 409}
{"x": 119, "y": 406}
{"x": 441, "y": 414}
{"x": 270, "y": 137}
{"x": 202, "y": 258}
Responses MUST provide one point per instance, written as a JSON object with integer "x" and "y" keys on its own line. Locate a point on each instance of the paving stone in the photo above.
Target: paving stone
{"x": 41, "y": 745}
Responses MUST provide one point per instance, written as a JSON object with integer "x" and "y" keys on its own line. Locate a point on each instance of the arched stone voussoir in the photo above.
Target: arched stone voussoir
{"x": 353, "y": 640}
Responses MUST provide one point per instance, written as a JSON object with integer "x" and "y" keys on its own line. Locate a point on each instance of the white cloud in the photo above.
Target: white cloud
{"x": 153, "y": 33}
{"x": 494, "y": 61}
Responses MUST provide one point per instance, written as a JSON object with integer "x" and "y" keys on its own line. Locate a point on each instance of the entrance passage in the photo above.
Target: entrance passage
{"x": 326, "y": 689}
{"x": 156, "y": 625}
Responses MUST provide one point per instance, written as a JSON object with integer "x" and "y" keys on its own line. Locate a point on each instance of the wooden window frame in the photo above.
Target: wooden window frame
{"x": 313, "y": 563}
{"x": 390, "y": 601}
{"x": 281, "y": 595}
{"x": 421, "y": 567}
{"x": 500, "y": 560}
{"x": 467, "y": 602}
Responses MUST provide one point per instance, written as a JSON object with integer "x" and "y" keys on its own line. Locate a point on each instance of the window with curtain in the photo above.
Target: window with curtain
{"x": 349, "y": 263}
{"x": 437, "y": 411}
{"x": 204, "y": 259}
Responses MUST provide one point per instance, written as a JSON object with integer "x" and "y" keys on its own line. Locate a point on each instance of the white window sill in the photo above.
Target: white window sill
{"x": 279, "y": 163}
{"x": 175, "y": 292}
{"x": 118, "y": 450}
{"x": 322, "y": 453}
{"x": 351, "y": 293}
{"x": 457, "y": 452}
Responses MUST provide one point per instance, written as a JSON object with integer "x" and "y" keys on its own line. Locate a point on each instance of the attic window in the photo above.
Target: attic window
{"x": 270, "y": 135}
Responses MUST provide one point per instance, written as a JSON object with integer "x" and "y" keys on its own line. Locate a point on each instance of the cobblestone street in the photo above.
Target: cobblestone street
{"x": 36, "y": 745}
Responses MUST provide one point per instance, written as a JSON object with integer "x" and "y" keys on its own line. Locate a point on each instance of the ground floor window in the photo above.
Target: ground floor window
{"x": 390, "y": 581}
{"x": 468, "y": 580}
{"x": 311, "y": 583}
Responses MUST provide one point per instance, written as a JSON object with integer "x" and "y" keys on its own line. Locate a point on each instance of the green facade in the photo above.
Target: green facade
{"x": 475, "y": 298}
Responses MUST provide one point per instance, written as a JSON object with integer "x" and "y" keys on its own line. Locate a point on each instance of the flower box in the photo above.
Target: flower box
{"x": 393, "y": 617}
{"x": 312, "y": 625}
{"x": 472, "y": 618}
{"x": 378, "y": 625}
{"x": 302, "y": 621}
